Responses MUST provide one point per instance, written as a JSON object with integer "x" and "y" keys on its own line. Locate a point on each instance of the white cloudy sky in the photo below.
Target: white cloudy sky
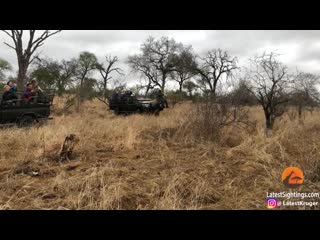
{"x": 299, "y": 48}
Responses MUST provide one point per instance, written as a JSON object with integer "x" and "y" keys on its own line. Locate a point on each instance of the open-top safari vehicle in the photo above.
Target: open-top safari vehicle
{"x": 127, "y": 104}
{"x": 24, "y": 113}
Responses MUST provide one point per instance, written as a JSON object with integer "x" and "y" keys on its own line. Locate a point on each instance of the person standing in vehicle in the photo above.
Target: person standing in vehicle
{"x": 41, "y": 97}
{"x": 128, "y": 96}
{"x": 35, "y": 86}
{"x": 161, "y": 99}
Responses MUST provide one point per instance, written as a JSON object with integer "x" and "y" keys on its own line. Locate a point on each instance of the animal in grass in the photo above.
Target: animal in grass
{"x": 67, "y": 147}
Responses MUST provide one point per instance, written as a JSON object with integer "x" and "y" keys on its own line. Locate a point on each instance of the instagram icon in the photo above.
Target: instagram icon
{"x": 272, "y": 203}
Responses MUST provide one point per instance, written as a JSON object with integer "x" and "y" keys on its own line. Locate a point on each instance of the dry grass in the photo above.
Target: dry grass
{"x": 147, "y": 162}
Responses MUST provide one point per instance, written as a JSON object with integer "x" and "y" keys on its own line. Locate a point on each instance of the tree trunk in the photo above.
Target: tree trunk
{"x": 269, "y": 123}
{"x": 59, "y": 87}
{"x": 78, "y": 103}
{"x": 163, "y": 83}
{"x": 105, "y": 91}
{"x": 300, "y": 114}
{"x": 147, "y": 90}
{"x": 300, "y": 111}
{"x": 60, "y": 91}
{"x": 214, "y": 89}
{"x": 213, "y": 96}
{"x": 22, "y": 75}
{"x": 79, "y": 96}
{"x": 180, "y": 87}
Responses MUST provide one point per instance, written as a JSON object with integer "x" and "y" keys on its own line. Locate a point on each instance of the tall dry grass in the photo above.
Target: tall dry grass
{"x": 148, "y": 162}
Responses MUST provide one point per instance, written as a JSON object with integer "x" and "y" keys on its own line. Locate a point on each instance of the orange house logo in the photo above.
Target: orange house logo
{"x": 292, "y": 177}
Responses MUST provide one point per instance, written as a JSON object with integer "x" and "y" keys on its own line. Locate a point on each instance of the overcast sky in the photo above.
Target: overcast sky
{"x": 299, "y": 48}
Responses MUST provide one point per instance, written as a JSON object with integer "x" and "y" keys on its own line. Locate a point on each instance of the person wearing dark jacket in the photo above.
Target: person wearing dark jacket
{"x": 8, "y": 95}
{"x": 28, "y": 93}
{"x": 161, "y": 99}
{"x": 13, "y": 87}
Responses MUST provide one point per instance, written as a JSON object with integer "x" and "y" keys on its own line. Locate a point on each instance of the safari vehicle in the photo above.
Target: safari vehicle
{"x": 25, "y": 113}
{"x": 124, "y": 104}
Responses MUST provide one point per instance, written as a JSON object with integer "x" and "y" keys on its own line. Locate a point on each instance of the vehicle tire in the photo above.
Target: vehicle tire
{"x": 117, "y": 111}
{"x": 26, "y": 121}
{"x": 157, "y": 112}
{"x": 139, "y": 110}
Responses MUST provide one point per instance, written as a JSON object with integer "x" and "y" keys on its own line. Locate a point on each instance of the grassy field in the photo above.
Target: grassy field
{"x": 148, "y": 162}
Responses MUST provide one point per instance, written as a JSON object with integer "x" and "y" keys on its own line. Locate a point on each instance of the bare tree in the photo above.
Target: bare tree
{"x": 184, "y": 66}
{"x": 155, "y": 61}
{"x": 216, "y": 65}
{"x": 26, "y": 55}
{"x": 305, "y": 93}
{"x": 86, "y": 63}
{"x": 67, "y": 74}
{"x": 140, "y": 65}
{"x": 270, "y": 83}
{"x": 105, "y": 71}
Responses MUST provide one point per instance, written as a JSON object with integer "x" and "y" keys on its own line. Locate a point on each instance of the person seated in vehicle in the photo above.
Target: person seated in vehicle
{"x": 128, "y": 97}
{"x": 41, "y": 97}
{"x": 123, "y": 97}
{"x": 29, "y": 93}
{"x": 8, "y": 96}
{"x": 13, "y": 87}
{"x": 115, "y": 96}
{"x": 161, "y": 99}
{"x": 35, "y": 86}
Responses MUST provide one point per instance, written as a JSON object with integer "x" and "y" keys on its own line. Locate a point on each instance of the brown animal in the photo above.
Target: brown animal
{"x": 67, "y": 147}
